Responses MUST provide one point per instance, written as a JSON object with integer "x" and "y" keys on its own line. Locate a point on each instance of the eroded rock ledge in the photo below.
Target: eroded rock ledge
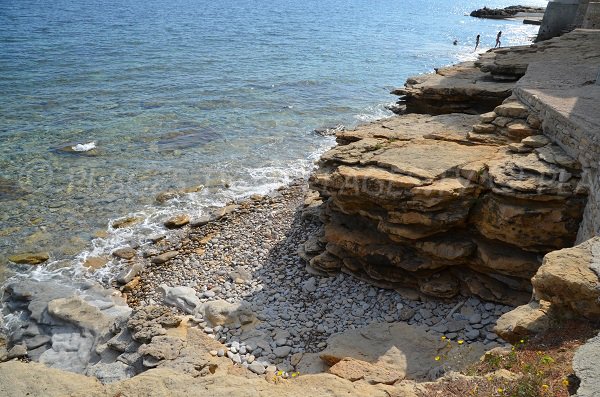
{"x": 447, "y": 204}
{"x": 452, "y": 203}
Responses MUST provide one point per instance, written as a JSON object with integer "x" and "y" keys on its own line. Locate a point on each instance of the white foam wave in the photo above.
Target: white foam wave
{"x": 374, "y": 113}
{"x": 84, "y": 147}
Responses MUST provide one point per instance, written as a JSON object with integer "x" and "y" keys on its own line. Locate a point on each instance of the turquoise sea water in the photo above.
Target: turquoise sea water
{"x": 186, "y": 92}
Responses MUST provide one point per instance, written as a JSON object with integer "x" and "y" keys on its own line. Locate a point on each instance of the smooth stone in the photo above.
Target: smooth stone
{"x": 257, "y": 368}
{"x": 282, "y": 351}
{"x": 164, "y": 257}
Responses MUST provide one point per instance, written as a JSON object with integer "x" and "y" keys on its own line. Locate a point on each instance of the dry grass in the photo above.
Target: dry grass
{"x": 540, "y": 367}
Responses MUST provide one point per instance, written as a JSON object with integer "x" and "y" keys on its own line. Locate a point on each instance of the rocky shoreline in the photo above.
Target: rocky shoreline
{"x": 414, "y": 239}
{"x": 507, "y": 12}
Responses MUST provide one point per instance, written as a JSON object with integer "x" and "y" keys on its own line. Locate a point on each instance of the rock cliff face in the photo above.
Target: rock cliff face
{"x": 447, "y": 204}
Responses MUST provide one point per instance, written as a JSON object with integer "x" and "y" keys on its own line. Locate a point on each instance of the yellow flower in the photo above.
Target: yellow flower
{"x": 437, "y": 358}
{"x": 489, "y": 378}
{"x": 279, "y": 373}
{"x": 565, "y": 382}
{"x": 522, "y": 341}
{"x": 294, "y": 374}
{"x": 545, "y": 387}
{"x": 443, "y": 337}
{"x": 460, "y": 341}
{"x": 500, "y": 390}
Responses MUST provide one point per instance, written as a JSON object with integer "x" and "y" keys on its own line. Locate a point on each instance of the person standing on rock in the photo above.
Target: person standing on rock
{"x": 498, "y": 39}
{"x": 476, "y": 42}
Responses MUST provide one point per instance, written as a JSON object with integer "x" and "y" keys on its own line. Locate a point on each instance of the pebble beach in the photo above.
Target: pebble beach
{"x": 250, "y": 256}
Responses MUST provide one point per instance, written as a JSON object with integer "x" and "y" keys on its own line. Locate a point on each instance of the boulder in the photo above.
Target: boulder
{"x": 569, "y": 279}
{"x": 524, "y": 321}
{"x": 126, "y": 222}
{"x": 220, "y": 312}
{"x": 184, "y": 298}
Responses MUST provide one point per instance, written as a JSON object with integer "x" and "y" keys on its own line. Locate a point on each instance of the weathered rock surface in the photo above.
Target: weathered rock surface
{"x": 418, "y": 201}
{"x": 220, "y": 312}
{"x": 64, "y": 326}
{"x": 507, "y": 12}
{"x": 20, "y": 379}
{"x": 459, "y": 88}
{"x": 570, "y": 279}
{"x": 586, "y": 365}
{"x": 511, "y": 63}
{"x": 182, "y": 297}
{"x": 567, "y": 285}
{"x": 383, "y": 353}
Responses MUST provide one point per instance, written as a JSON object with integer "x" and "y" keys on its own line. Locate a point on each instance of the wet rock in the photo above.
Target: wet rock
{"x": 30, "y": 258}
{"x": 126, "y": 222}
{"x": 177, "y": 221}
{"x": 167, "y": 195}
{"x": 95, "y": 262}
{"x": 125, "y": 253}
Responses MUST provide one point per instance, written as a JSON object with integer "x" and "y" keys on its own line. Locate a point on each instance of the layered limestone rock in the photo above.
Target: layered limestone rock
{"x": 447, "y": 204}
{"x": 567, "y": 285}
{"x": 459, "y": 88}
{"x": 511, "y": 63}
{"x": 477, "y": 87}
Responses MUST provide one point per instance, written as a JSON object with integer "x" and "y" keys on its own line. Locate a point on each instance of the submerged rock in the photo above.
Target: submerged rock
{"x": 30, "y": 258}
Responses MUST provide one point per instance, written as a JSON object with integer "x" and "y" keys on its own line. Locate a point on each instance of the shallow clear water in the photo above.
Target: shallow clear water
{"x": 182, "y": 93}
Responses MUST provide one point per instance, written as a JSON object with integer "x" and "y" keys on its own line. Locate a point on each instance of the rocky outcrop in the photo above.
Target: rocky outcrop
{"x": 460, "y": 88}
{"x": 478, "y": 87}
{"x": 507, "y": 12}
{"x": 510, "y": 64}
{"x": 65, "y": 326}
{"x": 86, "y": 329}
{"x": 447, "y": 204}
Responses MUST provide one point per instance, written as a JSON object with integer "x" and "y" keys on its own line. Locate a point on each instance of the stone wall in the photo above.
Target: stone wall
{"x": 560, "y": 15}
{"x": 568, "y": 102}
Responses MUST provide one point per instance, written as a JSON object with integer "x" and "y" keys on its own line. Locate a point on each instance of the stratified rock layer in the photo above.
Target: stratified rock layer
{"x": 447, "y": 204}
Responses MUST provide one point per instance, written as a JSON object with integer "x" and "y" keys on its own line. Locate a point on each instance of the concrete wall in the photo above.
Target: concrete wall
{"x": 560, "y": 15}
{"x": 591, "y": 19}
